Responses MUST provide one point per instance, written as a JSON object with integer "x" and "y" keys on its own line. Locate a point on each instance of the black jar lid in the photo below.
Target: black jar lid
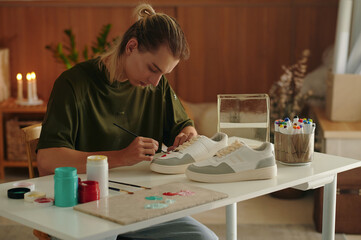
{"x": 17, "y": 193}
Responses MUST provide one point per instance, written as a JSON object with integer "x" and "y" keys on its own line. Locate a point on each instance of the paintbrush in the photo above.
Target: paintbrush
{"x": 129, "y": 184}
{"x": 131, "y": 133}
{"x": 120, "y": 190}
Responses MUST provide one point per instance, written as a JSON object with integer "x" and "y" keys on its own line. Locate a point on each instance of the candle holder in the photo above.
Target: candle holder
{"x": 32, "y": 99}
{"x": 26, "y": 102}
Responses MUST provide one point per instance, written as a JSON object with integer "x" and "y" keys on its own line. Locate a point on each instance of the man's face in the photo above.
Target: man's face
{"x": 146, "y": 68}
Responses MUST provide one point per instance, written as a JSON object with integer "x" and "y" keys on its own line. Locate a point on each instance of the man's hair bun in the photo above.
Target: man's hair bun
{"x": 144, "y": 10}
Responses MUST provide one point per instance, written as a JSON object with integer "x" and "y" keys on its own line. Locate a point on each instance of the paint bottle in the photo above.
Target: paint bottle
{"x": 66, "y": 187}
{"x": 88, "y": 191}
{"x": 97, "y": 170}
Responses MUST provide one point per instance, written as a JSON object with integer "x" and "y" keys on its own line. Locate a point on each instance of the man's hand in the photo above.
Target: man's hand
{"x": 185, "y": 135}
{"x": 141, "y": 149}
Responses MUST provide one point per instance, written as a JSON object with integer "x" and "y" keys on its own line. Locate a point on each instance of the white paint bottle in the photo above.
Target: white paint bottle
{"x": 97, "y": 170}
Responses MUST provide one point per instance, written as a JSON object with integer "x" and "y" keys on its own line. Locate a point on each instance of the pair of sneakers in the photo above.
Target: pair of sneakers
{"x": 211, "y": 160}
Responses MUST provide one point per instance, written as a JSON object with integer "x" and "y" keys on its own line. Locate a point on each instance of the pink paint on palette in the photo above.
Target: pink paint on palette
{"x": 185, "y": 193}
{"x": 180, "y": 193}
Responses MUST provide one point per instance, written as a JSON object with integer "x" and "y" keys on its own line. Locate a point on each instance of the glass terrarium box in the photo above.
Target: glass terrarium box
{"x": 244, "y": 115}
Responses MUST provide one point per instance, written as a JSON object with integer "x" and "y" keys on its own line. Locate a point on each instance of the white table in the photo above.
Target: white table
{"x": 66, "y": 223}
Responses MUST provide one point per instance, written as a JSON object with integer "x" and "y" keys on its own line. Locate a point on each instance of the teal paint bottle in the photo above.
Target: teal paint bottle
{"x": 66, "y": 187}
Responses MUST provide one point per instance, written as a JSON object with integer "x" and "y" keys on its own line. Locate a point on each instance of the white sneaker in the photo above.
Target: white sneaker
{"x": 237, "y": 162}
{"x": 197, "y": 149}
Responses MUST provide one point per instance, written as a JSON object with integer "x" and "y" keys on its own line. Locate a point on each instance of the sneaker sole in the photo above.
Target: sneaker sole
{"x": 256, "y": 174}
{"x": 179, "y": 169}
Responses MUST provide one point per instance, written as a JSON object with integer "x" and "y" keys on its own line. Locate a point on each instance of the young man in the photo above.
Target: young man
{"x": 126, "y": 86}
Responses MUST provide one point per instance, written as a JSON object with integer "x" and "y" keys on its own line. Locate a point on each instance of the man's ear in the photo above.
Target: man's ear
{"x": 131, "y": 46}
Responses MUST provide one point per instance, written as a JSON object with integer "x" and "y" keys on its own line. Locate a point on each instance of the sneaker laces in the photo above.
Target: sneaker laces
{"x": 231, "y": 148}
{"x": 186, "y": 144}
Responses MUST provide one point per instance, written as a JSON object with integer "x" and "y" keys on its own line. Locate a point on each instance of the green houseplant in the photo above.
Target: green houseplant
{"x": 68, "y": 54}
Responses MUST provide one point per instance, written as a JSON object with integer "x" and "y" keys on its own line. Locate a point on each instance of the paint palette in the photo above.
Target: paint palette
{"x": 145, "y": 204}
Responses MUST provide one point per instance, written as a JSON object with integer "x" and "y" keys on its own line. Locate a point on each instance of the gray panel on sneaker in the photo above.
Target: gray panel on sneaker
{"x": 197, "y": 149}
{"x": 186, "y": 159}
{"x": 237, "y": 162}
{"x": 268, "y": 162}
{"x": 220, "y": 169}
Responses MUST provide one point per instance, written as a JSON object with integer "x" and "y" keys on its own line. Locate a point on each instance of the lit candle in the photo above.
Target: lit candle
{"x": 30, "y": 89}
{"x": 33, "y": 79}
{"x": 19, "y": 77}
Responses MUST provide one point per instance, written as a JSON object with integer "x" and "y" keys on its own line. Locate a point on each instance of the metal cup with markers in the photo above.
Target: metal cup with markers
{"x": 294, "y": 141}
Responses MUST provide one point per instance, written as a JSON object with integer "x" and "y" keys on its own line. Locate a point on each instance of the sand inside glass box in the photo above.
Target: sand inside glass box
{"x": 245, "y": 115}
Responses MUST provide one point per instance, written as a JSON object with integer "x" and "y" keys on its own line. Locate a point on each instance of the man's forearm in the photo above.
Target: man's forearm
{"x": 50, "y": 158}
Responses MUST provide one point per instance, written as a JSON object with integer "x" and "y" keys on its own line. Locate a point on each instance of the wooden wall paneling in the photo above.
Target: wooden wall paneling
{"x": 47, "y": 22}
{"x": 222, "y": 51}
{"x": 316, "y": 2}
{"x": 191, "y": 73}
{"x": 265, "y": 47}
{"x": 156, "y": 3}
{"x": 12, "y": 33}
{"x": 26, "y": 32}
{"x": 233, "y": 49}
{"x": 237, "y": 46}
{"x": 316, "y": 30}
{"x": 326, "y": 23}
{"x": 88, "y": 22}
{"x": 226, "y": 46}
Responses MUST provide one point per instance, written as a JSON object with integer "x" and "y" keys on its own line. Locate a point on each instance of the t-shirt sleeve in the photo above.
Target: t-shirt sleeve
{"x": 176, "y": 117}
{"x": 61, "y": 119}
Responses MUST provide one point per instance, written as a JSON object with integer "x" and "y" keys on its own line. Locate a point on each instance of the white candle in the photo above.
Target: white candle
{"x": 33, "y": 79}
{"x": 19, "y": 77}
{"x": 30, "y": 89}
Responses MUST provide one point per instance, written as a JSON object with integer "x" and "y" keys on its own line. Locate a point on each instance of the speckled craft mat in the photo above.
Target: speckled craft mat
{"x": 130, "y": 208}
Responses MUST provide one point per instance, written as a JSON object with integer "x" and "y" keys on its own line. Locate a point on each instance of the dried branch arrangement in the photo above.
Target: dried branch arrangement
{"x": 285, "y": 94}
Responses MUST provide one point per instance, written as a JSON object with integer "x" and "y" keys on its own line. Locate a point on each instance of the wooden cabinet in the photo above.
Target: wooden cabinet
{"x": 338, "y": 138}
{"x": 341, "y": 139}
{"x": 10, "y": 110}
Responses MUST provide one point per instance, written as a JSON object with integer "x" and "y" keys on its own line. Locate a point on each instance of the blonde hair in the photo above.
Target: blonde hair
{"x": 151, "y": 31}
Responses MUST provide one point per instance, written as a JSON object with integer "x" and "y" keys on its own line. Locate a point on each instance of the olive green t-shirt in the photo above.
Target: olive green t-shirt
{"x": 83, "y": 107}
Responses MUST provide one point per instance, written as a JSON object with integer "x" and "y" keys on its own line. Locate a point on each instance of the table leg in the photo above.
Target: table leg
{"x": 329, "y": 210}
{"x": 231, "y": 221}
